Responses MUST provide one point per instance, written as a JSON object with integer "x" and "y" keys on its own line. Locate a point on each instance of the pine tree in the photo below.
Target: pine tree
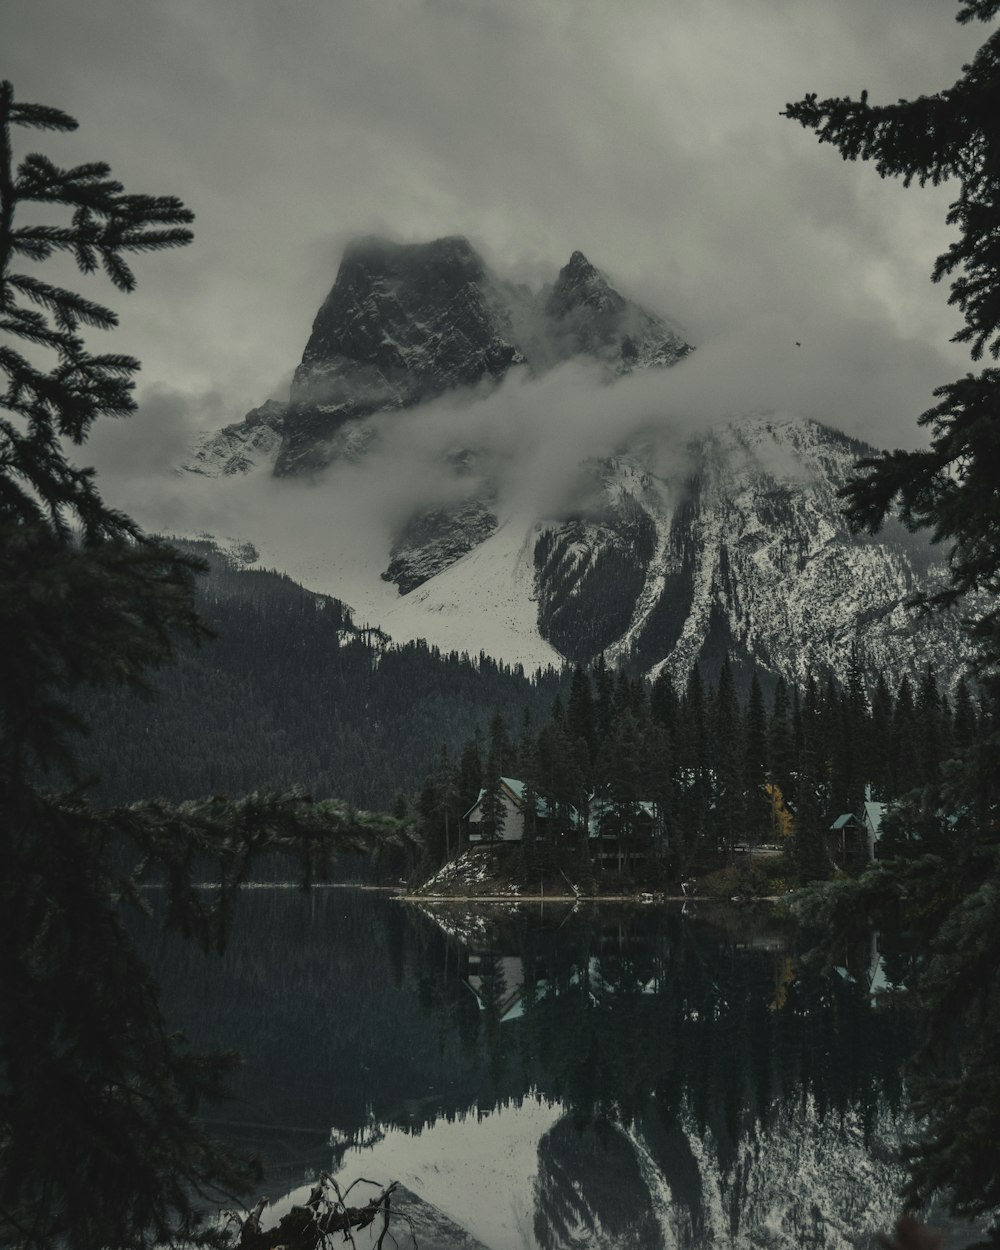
{"x": 949, "y": 901}
{"x": 446, "y": 800}
{"x": 526, "y": 741}
{"x": 779, "y": 740}
{"x": 755, "y": 762}
{"x": 663, "y": 702}
{"x": 626, "y": 780}
{"x": 494, "y": 807}
{"x": 428, "y": 806}
{"x": 603, "y": 692}
{"x": 808, "y": 844}
{"x": 99, "y": 1144}
{"x": 527, "y": 757}
{"x": 559, "y": 780}
{"x": 656, "y": 781}
{"x": 932, "y": 727}
{"x": 581, "y": 723}
{"x": 501, "y": 746}
{"x": 881, "y": 740}
{"x": 905, "y": 770}
{"x": 966, "y": 721}
{"x": 470, "y": 772}
{"x": 728, "y": 750}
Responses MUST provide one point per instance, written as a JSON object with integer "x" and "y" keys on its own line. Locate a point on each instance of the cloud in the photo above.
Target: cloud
{"x": 645, "y": 134}
{"x": 528, "y": 442}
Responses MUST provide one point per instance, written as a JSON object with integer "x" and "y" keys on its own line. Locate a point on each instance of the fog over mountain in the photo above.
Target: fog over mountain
{"x": 548, "y": 474}
{"x": 647, "y": 136}
{"x": 646, "y": 139}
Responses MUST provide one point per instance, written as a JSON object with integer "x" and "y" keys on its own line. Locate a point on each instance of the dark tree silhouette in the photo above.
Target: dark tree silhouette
{"x": 945, "y": 882}
{"x": 99, "y": 1144}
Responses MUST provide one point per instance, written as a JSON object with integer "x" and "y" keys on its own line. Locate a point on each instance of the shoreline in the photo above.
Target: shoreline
{"x": 639, "y": 899}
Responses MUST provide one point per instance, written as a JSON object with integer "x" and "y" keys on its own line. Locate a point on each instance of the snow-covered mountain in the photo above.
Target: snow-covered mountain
{"x": 527, "y": 1176}
{"x": 405, "y": 323}
{"x": 747, "y": 554}
{"x": 237, "y": 448}
{"x": 662, "y": 549}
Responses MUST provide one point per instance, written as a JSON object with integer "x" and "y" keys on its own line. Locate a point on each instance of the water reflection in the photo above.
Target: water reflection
{"x": 561, "y": 1076}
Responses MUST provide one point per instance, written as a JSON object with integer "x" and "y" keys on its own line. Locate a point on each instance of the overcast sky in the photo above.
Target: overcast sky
{"x": 646, "y": 134}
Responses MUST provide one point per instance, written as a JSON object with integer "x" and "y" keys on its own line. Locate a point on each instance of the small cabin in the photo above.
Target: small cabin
{"x": 845, "y": 840}
{"x": 854, "y": 839}
{"x": 639, "y": 826}
{"x": 512, "y": 794}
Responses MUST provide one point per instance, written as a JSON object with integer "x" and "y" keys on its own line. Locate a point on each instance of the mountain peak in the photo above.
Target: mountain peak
{"x": 579, "y": 271}
{"x": 405, "y": 322}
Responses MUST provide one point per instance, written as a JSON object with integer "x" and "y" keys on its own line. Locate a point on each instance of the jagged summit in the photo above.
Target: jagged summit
{"x": 746, "y": 552}
{"x": 403, "y": 323}
{"x": 579, "y": 272}
{"x": 385, "y": 293}
{"x": 589, "y": 317}
{"x": 578, "y": 269}
{"x": 406, "y": 322}
{"x": 586, "y": 309}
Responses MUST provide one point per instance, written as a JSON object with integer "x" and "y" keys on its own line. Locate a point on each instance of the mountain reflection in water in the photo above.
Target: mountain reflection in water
{"x": 554, "y": 1076}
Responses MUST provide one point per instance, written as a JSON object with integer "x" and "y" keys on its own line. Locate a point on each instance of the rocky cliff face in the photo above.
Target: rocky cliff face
{"x": 432, "y": 541}
{"x": 407, "y": 322}
{"x": 734, "y": 543}
{"x": 240, "y": 447}
{"x": 403, "y": 323}
{"x": 746, "y": 554}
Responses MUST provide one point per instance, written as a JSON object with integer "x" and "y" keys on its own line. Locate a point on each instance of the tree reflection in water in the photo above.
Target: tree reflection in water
{"x": 683, "y": 1048}
{"x": 706, "y": 1085}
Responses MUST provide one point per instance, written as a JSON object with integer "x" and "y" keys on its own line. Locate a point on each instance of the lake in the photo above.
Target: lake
{"x": 557, "y": 1077}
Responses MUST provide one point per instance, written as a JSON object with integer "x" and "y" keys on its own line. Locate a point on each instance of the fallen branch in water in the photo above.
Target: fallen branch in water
{"x": 306, "y": 1227}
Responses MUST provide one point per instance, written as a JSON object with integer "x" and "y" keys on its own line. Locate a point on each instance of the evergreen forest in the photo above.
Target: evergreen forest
{"x": 703, "y": 772}
{"x": 290, "y": 692}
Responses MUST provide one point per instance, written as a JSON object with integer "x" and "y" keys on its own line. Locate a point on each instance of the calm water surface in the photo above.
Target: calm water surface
{"x": 557, "y": 1077}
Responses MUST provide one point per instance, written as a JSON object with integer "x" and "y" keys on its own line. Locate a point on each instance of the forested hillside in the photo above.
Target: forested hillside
{"x": 291, "y": 692}
{"x": 698, "y": 772}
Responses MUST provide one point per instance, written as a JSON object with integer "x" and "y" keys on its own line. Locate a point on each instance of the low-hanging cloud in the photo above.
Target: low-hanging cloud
{"x": 525, "y": 444}
{"x": 647, "y": 135}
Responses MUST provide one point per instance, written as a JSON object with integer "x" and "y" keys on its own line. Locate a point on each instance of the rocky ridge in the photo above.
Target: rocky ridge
{"x": 239, "y": 447}
{"x": 737, "y": 546}
{"x": 746, "y": 553}
{"x": 407, "y": 322}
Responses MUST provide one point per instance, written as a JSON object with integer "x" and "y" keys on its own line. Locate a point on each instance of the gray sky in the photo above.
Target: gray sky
{"x": 645, "y": 132}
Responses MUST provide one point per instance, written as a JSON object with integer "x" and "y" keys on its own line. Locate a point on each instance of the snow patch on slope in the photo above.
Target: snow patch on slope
{"x": 478, "y": 1170}
{"x": 485, "y": 600}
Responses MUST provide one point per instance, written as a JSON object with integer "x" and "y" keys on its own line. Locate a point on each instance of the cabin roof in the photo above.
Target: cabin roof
{"x": 516, "y": 788}
{"x": 873, "y": 817}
